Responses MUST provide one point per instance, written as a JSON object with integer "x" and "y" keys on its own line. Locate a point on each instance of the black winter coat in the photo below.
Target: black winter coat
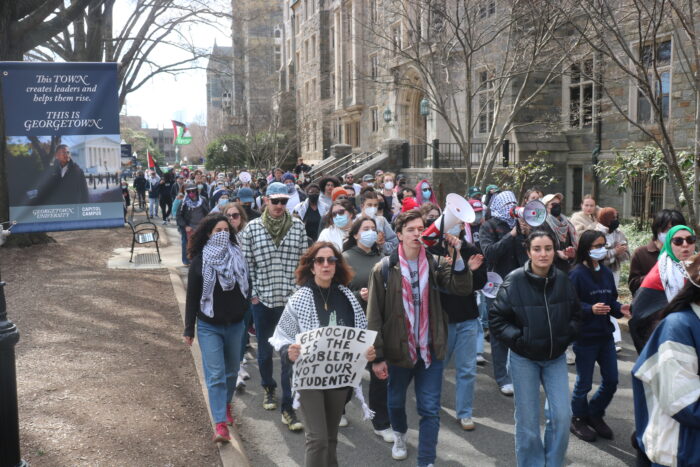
{"x": 503, "y": 252}
{"x": 536, "y": 317}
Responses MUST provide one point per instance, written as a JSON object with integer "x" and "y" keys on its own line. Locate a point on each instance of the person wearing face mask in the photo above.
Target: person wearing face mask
{"x": 217, "y": 291}
{"x": 562, "y": 230}
{"x": 338, "y": 220}
{"x": 662, "y": 284}
{"x": 310, "y": 211}
{"x": 193, "y": 210}
{"x": 223, "y": 200}
{"x": 425, "y": 193}
{"x": 245, "y": 196}
{"x": 644, "y": 257}
{"x": 361, "y": 253}
{"x": 387, "y": 240}
{"x": 597, "y": 293}
{"x": 391, "y": 202}
{"x": 430, "y": 212}
{"x": 616, "y": 242}
{"x": 294, "y": 196}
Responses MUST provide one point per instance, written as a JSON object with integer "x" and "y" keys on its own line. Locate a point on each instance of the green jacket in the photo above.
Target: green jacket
{"x": 386, "y": 315}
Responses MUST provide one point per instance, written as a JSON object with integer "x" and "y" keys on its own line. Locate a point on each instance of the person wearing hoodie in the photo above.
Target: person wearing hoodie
{"x": 295, "y": 197}
{"x": 425, "y": 193}
{"x": 245, "y": 196}
{"x": 597, "y": 293}
{"x": 502, "y": 238}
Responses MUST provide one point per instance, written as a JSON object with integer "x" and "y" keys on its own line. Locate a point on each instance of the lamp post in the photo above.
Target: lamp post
{"x": 9, "y": 421}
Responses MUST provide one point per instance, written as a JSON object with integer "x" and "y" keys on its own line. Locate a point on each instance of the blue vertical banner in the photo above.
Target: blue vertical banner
{"x": 63, "y": 155}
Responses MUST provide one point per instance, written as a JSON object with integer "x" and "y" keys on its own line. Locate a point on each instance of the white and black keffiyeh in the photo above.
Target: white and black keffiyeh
{"x": 224, "y": 261}
{"x": 300, "y": 315}
{"x": 501, "y": 204}
{"x": 673, "y": 275}
{"x": 193, "y": 204}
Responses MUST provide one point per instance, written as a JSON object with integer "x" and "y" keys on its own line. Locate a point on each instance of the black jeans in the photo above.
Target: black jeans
{"x": 378, "y": 401}
{"x": 166, "y": 207}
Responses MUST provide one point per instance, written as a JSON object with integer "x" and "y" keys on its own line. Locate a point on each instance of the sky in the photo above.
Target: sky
{"x": 181, "y": 97}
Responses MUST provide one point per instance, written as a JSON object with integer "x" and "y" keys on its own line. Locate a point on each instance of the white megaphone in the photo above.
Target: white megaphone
{"x": 533, "y": 213}
{"x": 244, "y": 177}
{"x": 493, "y": 282}
{"x": 457, "y": 209}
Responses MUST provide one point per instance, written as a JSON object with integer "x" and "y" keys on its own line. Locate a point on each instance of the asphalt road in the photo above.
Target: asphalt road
{"x": 269, "y": 443}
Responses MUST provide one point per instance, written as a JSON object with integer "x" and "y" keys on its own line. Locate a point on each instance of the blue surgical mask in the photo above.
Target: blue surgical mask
{"x": 223, "y": 201}
{"x": 598, "y": 253}
{"x": 200, "y": 186}
{"x": 340, "y": 221}
{"x": 368, "y": 238}
{"x": 455, "y": 230}
{"x": 426, "y": 194}
{"x": 661, "y": 237}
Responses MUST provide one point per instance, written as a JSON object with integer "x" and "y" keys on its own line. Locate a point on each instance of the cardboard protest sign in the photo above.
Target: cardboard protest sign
{"x": 63, "y": 153}
{"x": 331, "y": 357}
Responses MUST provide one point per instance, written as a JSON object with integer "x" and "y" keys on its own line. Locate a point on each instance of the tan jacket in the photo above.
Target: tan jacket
{"x": 583, "y": 222}
{"x": 386, "y": 314}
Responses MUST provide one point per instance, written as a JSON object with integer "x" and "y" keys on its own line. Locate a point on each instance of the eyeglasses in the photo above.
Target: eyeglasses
{"x": 322, "y": 259}
{"x": 339, "y": 212}
{"x": 282, "y": 201}
{"x": 235, "y": 215}
{"x": 690, "y": 240}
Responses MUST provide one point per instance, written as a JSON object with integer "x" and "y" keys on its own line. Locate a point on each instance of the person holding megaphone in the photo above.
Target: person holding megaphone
{"x": 563, "y": 231}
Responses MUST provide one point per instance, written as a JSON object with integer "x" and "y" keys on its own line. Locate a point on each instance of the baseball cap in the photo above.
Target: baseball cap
{"x": 288, "y": 176}
{"x": 338, "y": 191}
{"x": 277, "y": 190}
{"x": 548, "y": 198}
{"x": 367, "y": 178}
{"x": 473, "y": 191}
{"x": 492, "y": 187}
{"x": 245, "y": 195}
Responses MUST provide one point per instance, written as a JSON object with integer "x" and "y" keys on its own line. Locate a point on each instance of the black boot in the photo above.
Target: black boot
{"x": 580, "y": 428}
{"x": 600, "y": 427}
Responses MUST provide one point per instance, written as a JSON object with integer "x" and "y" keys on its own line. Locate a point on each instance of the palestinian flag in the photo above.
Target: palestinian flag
{"x": 152, "y": 164}
{"x": 649, "y": 300}
{"x": 181, "y": 134}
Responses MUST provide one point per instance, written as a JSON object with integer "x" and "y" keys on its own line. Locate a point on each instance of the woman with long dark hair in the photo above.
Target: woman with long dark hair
{"x": 666, "y": 385}
{"x": 597, "y": 293}
{"x": 536, "y": 314}
{"x": 323, "y": 299}
{"x": 217, "y": 291}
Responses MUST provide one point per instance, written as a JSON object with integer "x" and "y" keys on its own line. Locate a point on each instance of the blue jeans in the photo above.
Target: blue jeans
{"x": 499, "y": 356}
{"x": 462, "y": 342}
{"x": 153, "y": 206}
{"x": 265, "y": 320}
{"x": 221, "y": 357}
{"x": 183, "y": 242}
{"x": 247, "y": 319}
{"x": 528, "y": 375}
{"x": 586, "y": 357}
{"x": 483, "y": 321}
{"x": 428, "y": 388}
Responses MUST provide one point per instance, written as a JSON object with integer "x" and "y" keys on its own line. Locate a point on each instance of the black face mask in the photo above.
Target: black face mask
{"x": 614, "y": 225}
{"x": 351, "y": 199}
{"x": 428, "y": 222}
{"x": 314, "y": 198}
{"x": 556, "y": 210}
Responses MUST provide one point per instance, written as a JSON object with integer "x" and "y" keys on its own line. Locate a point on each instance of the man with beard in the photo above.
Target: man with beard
{"x": 66, "y": 183}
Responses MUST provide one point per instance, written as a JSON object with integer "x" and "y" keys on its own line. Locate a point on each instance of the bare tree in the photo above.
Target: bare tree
{"x": 478, "y": 69}
{"x": 632, "y": 38}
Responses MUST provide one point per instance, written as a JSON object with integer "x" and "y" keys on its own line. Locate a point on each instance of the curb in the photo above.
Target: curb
{"x": 232, "y": 454}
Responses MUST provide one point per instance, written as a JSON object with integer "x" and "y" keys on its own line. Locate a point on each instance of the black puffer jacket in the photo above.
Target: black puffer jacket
{"x": 536, "y": 317}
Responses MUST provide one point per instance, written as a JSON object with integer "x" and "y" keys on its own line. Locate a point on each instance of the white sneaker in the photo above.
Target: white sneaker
{"x": 507, "y": 389}
{"x": 467, "y": 424}
{"x": 386, "y": 434}
{"x": 343, "y": 421}
{"x": 243, "y": 373}
{"x": 398, "y": 451}
{"x": 617, "y": 348}
{"x": 480, "y": 360}
{"x": 240, "y": 384}
{"x": 570, "y": 357}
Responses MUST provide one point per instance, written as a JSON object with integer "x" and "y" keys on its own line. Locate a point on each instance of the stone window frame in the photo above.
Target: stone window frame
{"x": 314, "y": 94}
{"x": 374, "y": 65}
{"x": 487, "y": 8}
{"x": 315, "y": 135}
{"x": 484, "y": 93}
{"x": 306, "y": 50}
{"x": 313, "y": 46}
{"x": 349, "y": 74}
{"x": 568, "y": 87}
{"x": 635, "y": 94}
{"x": 373, "y": 9}
{"x": 396, "y": 37}
{"x": 374, "y": 114}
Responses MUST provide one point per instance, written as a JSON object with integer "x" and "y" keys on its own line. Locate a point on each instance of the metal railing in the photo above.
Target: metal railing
{"x": 352, "y": 163}
{"x": 450, "y": 155}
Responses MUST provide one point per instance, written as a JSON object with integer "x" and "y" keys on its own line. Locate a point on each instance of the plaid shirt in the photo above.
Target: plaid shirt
{"x": 272, "y": 268}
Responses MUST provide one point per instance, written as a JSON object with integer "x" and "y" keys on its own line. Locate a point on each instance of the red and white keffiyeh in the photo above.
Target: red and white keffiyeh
{"x": 409, "y": 309}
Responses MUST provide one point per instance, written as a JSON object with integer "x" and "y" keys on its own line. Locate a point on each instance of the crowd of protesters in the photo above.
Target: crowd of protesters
{"x": 280, "y": 254}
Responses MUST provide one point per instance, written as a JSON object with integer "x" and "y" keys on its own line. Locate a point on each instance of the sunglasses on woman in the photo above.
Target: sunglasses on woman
{"x": 235, "y": 215}
{"x": 339, "y": 212}
{"x": 322, "y": 259}
{"x": 690, "y": 240}
{"x": 279, "y": 201}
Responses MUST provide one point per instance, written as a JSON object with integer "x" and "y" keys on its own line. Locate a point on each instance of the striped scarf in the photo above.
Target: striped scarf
{"x": 408, "y": 306}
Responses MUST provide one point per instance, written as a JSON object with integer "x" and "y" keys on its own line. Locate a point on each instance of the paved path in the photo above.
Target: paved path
{"x": 269, "y": 443}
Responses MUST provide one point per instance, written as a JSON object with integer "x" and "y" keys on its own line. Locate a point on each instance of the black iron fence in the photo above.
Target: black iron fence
{"x": 450, "y": 155}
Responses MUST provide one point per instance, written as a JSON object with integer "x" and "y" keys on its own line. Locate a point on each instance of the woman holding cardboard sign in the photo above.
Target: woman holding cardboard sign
{"x": 322, "y": 300}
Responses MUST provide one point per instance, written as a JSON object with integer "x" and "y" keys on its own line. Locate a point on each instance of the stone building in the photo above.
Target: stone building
{"x": 219, "y": 90}
{"x": 356, "y": 72}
